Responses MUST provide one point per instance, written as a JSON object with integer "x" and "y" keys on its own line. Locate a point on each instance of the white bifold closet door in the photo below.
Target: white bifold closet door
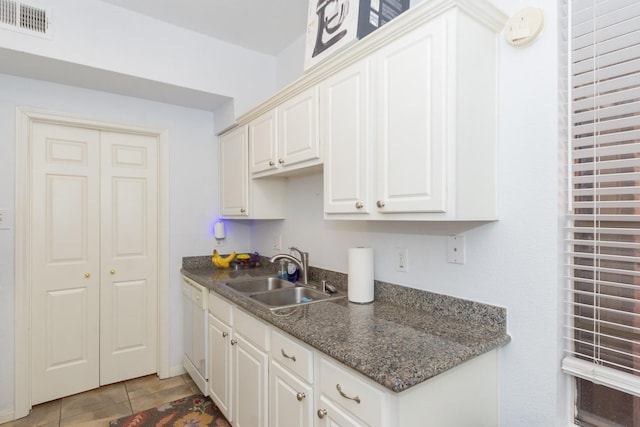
{"x": 94, "y": 258}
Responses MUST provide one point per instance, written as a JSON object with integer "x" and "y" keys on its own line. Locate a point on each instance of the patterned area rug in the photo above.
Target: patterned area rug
{"x": 192, "y": 411}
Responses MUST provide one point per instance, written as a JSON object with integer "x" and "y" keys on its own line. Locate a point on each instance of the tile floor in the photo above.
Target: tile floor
{"x": 96, "y": 407}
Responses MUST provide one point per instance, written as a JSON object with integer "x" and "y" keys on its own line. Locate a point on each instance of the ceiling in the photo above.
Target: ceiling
{"x": 266, "y": 26}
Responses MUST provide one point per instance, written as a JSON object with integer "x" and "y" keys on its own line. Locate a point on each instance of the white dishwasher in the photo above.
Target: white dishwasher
{"x": 195, "y": 359}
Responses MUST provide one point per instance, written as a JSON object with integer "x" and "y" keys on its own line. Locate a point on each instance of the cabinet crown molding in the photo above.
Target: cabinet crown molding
{"x": 482, "y": 11}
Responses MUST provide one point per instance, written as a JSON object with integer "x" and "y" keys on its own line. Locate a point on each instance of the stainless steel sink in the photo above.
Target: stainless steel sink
{"x": 289, "y": 297}
{"x": 259, "y": 284}
{"x": 274, "y": 293}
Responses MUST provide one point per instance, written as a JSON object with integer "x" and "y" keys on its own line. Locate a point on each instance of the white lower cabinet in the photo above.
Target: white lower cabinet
{"x": 220, "y": 365}
{"x": 250, "y": 371}
{"x": 239, "y": 364}
{"x": 290, "y": 399}
{"x": 332, "y": 415}
{"x": 290, "y": 382}
{"x": 260, "y": 376}
{"x": 220, "y": 360}
{"x": 361, "y": 403}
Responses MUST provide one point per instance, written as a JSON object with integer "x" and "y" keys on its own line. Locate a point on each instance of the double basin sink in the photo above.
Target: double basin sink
{"x": 274, "y": 293}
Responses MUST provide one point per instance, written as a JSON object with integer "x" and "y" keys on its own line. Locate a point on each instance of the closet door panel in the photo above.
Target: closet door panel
{"x": 64, "y": 260}
{"x": 128, "y": 253}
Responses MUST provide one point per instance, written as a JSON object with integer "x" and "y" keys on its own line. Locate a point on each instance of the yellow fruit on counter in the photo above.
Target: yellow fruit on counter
{"x": 222, "y": 262}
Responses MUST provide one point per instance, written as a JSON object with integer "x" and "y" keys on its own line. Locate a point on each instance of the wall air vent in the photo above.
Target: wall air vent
{"x": 19, "y": 16}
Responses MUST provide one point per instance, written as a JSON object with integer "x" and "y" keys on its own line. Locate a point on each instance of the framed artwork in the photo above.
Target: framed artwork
{"x": 331, "y": 25}
{"x": 334, "y": 24}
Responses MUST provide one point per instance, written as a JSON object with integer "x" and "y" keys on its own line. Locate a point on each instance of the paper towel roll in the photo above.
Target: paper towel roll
{"x": 360, "y": 271}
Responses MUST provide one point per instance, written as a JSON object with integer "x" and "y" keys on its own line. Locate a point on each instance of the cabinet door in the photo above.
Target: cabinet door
{"x": 250, "y": 384}
{"x": 234, "y": 176}
{"x": 263, "y": 143}
{"x": 298, "y": 124}
{"x": 411, "y": 122}
{"x": 220, "y": 365}
{"x": 331, "y": 415}
{"x": 290, "y": 399}
{"x": 344, "y": 114}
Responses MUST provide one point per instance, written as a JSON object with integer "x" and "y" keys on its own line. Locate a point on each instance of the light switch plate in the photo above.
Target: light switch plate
{"x": 456, "y": 249}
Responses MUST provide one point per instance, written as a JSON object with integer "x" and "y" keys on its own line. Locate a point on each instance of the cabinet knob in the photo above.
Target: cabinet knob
{"x": 112, "y": 272}
{"x": 300, "y": 396}
{"x": 225, "y": 334}
{"x": 234, "y": 342}
{"x": 281, "y": 161}
{"x": 272, "y": 163}
{"x": 242, "y": 210}
{"x": 322, "y": 413}
{"x": 87, "y": 275}
{"x": 380, "y": 204}
{"x": 359, "y": 205}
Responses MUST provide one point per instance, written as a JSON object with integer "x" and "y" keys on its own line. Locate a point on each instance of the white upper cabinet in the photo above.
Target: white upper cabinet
{"x": 403, "y": 122}
{"x": 430, "y": 128}
{"x": 240, "y": 196}
{"x": 345, "y": 119}
{"x": 410, "y": 122}
{"x": 285, "y": 138}
{"x": 299, "y": 144}
{"x": 234, "y": 179}
{"x": 263, "y": 143}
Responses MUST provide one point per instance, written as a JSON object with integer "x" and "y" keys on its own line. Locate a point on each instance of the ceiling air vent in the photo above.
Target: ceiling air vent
{"x": 16, "y": 15}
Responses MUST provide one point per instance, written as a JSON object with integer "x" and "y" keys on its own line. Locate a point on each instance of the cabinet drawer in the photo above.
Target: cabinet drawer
{"x": 251, "y": 329}
{"x": 220, "y": 308}
{"x": 372, "y": 402}
{"x": 292, "y": 355}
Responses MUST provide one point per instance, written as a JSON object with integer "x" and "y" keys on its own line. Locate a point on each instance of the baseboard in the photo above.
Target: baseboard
{"x": 6, "y": 416}
{"x": 174, "y": 371}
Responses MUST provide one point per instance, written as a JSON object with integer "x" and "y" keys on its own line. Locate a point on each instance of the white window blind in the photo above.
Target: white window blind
{"x": 603, "y": 293}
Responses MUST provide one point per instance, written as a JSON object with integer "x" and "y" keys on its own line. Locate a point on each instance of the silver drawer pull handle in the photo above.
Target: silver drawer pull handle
{"x": 322, "y": 413}
{"x": 287, "y": 356}
{"x": 300, "y": 395}
{"x": 225, "y": 334}
{"x": 234, "y": 342}
{"x": 355, "y": 398}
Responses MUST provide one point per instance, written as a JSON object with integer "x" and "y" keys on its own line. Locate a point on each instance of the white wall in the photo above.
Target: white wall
{"x": 192, "y": 181}
{"x": 106, "y": 37}
{"x": 511, "y": 263}
{"x": 289, "y": 64}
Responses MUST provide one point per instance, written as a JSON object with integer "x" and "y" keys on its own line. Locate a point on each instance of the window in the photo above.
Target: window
{"x": 603, "y": 295}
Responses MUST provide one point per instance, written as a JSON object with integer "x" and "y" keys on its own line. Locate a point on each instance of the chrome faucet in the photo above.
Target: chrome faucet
{"x": 302, "y": 263}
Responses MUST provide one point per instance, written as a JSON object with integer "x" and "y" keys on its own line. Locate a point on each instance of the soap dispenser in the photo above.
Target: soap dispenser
{"x": 282, "y": 272}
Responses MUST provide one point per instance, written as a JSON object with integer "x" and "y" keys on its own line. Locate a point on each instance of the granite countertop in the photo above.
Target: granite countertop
{"x": 403, "y": 338}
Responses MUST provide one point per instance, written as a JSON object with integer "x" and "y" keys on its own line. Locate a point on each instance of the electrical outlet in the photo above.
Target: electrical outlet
{"x": 277, "y": 242}
{"x": 456, "y": 249}
{"x": 219, "y": 242}
{"x": 402, "y": 259}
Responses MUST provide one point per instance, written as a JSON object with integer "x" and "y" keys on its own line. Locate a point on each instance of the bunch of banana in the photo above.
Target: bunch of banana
{"x": 222, "y": 262}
